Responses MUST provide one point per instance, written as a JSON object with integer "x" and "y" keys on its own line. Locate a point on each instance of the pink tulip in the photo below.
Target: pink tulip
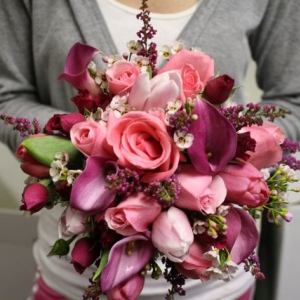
{"x": 152, "y": 93}
{"x": 245, "y": 184}
{"x": 76, "y": 73}
{"x": 127, "y": 290}
{"x": 133, "y": 215}
{"x": 195, "y": 263}
{"x": 172, "y": 234}
{"x": 84, "y": 253}
{"x": 34, "y": 197}
{"x": 268, "y": 138}
{"x": 72, "y": 222}
{"x": 200, "y": 192}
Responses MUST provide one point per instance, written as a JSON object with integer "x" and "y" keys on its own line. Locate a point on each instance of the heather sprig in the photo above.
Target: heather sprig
{"x": 290, "y": 147}
{"x": 124, "y": 182}
{"x": 176, "y": 279}
{"x": 252, "y": 114}
{"x": 145, "y": 34}
{"x": 166, "y": 191}
{"x": 23, "y": 125}
{"x": 252, "y": 264}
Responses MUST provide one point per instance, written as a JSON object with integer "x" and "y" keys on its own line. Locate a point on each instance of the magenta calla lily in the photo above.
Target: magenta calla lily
{"x": 75, "y": 71}
{"x": 93, "y": 178}
{"x": 215, "y": 139}
{"x": 126, "y": 258}
{"x": 241, "y": 235}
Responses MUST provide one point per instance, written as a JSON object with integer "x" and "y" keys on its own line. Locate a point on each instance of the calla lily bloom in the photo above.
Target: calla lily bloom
{"x": 75, "y": 71}
{"x": 126, "y": 258}
{"x": 241, "y": 234}
{"x": 149, "y": 93}
{"x": 215, "y": 139}
{"x": 93, "y": 178}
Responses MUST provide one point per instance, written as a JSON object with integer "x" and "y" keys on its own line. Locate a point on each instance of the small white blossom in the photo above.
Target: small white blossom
{"x": 183, "y": 140}
{"x": 222, "y": 210}
{"x": 57, "y": 170}
{"x": 177, "y": 46}
{"x": 72, "y": 175}
{"x": 173, "y": 106}
{"x": 134, "y": 46}
{"x": 212, "y": 256}
{"x": 63, "y": 157}
{"x": 143, "y": 62}
{"x": 199, "y": 227}
{"x": 165, "y": 52}
{"x": 92, "y": 66}
{"x": 113, "y": 58}
{"x": 266, "y": 173}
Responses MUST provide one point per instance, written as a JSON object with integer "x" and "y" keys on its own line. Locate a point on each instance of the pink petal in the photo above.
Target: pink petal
{"x": 215, "y": 139}
{"x": 75, "y": 72}
{"x": 89, "y": 192}
{"x": 121, "y": 265}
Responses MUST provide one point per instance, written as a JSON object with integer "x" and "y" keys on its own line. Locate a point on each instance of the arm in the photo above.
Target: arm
{"x": 18, "y": 91}
{"x": 276, "y": 50}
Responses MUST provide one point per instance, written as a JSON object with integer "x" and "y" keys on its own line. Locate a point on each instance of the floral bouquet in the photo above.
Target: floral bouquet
{"x": 157, "y": 165}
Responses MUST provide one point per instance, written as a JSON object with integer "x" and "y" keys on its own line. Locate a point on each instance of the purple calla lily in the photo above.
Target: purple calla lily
{"x": 215, "y": 139}
{"x": 75, "y": 71}
{"x": 89, "y": 192}
{"x": 126, "y": 258}
{"x": 241, "y": 235}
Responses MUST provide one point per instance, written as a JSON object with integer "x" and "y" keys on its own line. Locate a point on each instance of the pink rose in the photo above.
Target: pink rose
{"x": 72, "y": 222}
{"x": 141, "y": 142}
{"x": 196, "y": 68}
{"x": 172, "y": 234}
{"x": 152, "y": 93}
{"x": 129, "y": 289}
{"x": 34, "y": 197}
{"x": 89, "y": 137}
{"x": 268, "y": 138}
{"x": 195, "y": 263}
{"x": 245, "y": 184}
{"x": 84, "y": 253}
{"x": 121, "y": 76}
{"x": 133, "y": 215}
{"x": 200, "y": 192}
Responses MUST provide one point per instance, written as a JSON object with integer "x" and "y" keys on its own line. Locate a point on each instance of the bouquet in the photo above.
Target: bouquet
{"x": 156, "y": 165}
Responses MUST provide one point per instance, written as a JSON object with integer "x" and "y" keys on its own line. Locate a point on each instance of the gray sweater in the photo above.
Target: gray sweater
{"x": 36, "y": 36}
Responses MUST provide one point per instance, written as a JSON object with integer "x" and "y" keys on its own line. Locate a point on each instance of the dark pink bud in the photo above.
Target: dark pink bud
{"x": 63, "y": 123}
{"x": 84, "y": 253}
{"x": 35, "y": 197}
{"x": 218, "y": 90}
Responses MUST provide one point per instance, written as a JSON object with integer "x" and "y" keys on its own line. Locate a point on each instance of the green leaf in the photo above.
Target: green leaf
{"x": 44, "y": 148}
{"x": 103, "y": 261}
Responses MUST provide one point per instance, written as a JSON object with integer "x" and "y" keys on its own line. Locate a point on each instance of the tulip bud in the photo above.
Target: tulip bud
{"x": 34, "y": 197}
{"x": 84, "y": 253}
{"x": 218, "y": 90}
